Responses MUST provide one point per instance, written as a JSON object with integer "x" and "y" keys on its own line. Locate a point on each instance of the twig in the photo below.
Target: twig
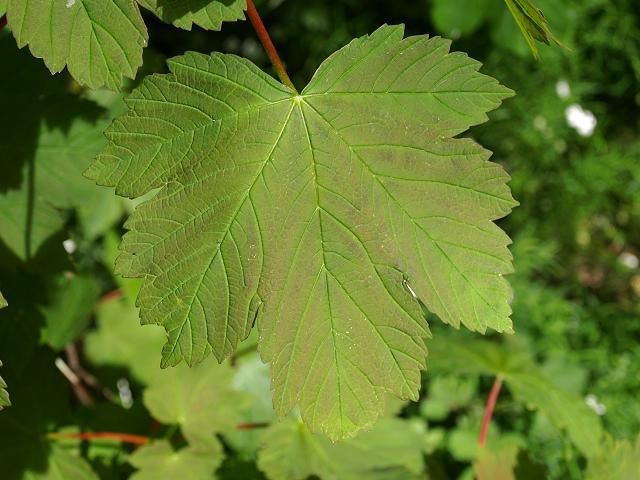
{"x": 251, "y": 425}
{"x": 112, "y": 436}
{"x": 73, "y": 357}
{"x": 488, "y": 410}
{"x": 80, "y": 392}
{"x": 268, "y": 45}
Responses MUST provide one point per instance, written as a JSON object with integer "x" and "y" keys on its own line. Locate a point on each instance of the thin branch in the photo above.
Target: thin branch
{"x": 488, "y": 410}
{"x": 132, "y": 438}
{"x": 268, "y": 45}
{"x": 73, "y": 357}
{"x": 81, "y": 393}
{"x": 111, "y": 436}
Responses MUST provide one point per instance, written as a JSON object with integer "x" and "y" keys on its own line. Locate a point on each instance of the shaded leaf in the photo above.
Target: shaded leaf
{"x": 159, "y": 461}
{"x": 208, "y": 14}
{"x": 392, "y": 450}
{"x": 496, "y": 465}
{"x": 119, "y": 341}
{"x": 100, "y": 41}
{"x": 273, "y": 207}
{"x": 69, "y": 312}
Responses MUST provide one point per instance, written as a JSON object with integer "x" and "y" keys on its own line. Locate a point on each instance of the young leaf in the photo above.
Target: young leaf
{"x": 100, "y": 41}
{"x": 159, "y": 461}
{"x": 201, "y": 400}
{"x": 319, "y": 215}
{"x": 208, "y": 14}
{"x": 391, "y": 450}
{"x": 532, "y": 23}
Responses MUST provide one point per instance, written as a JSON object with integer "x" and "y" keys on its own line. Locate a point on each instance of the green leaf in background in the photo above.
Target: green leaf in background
{"x": 392, "y": 450}
{"x": 532, "y": 23}
{"x": 69, "y": 312}
{"x": 119, "y": 341}
{"x": 320, "y": 226}
{"x": 100, "y": 41}
{"x": 48, "y": 151}
{"x": 616, "y": 460}
{"x": 447, "y": 18}
{"x": 4, "y": 395}
{"x": 446, "y": 394}
{"x": 159, "y": 461}
{"x": 201, "y": 400}
{"x": 524, "y": 379}
{"x": 185, "y": 13}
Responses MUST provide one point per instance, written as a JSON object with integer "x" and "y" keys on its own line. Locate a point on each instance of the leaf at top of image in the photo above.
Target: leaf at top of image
{"x": 100, "y": 41}
{"x": 532, "y": 23}
{"x": 322, "y": 217}
{"x": 208, "y": 14}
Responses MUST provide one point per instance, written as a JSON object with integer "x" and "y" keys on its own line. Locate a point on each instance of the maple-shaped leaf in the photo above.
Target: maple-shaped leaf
{"x": 208, "y": 14}
{"x": 159, "y": 461}
{"x": 321, "y": 215}
{"x": 201, "y": 400}
{"x": 392, "y": 450}
{"x": 615, "y": 460}
{"x": 100, "y": 41}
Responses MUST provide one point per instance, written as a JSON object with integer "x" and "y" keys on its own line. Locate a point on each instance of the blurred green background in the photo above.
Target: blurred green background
{"x": 570, "y": 140}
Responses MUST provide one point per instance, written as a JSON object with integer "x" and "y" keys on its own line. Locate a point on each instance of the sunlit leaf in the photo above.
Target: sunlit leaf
{"x": 100, "y": 41}
{"x": 208, "y": 14}
{"x": 615, "y": 460}
{"x": 317, "y": 215}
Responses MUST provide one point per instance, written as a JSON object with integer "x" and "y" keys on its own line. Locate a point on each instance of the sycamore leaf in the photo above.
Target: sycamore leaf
{"x": 392, "y": 450}
{"x": 201, "y": 400}
{"x": 100, "y": 41}
{"x": 119, "y": 342}
{"x": 208, "y": 14}
{"x": 532, "y": 23}
{"x": 526, "y": 382}
{"x": 321, "y": 215}
{"x": 159, "y": 461}
{"x": 615, "y": 460}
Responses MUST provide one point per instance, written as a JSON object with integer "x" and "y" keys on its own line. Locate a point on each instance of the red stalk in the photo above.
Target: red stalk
{"x": 488, "y": 410}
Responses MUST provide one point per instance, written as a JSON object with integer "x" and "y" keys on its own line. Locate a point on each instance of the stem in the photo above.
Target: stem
{"x": 113, "y": 436}
{"x": 488, "y": 410}
{"x": 268, "y": 45}
{"x": 135, "y": 439}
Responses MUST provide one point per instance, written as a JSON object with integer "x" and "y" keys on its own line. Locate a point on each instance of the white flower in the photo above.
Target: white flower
{"x": 629, "y": 260}
{"x": 592, "y": 402}
{"x": 563, "y": 90}
{"x": 69, "y": 246}
{"x": 583, "y": 121}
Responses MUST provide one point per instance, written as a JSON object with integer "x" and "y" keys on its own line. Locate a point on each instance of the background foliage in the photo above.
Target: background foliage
{"x": 569, "y": 371}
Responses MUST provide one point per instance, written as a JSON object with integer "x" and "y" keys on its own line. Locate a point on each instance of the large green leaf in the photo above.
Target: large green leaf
{"x": 318, "y": 214}
{"x": 159, "y": 461}
{"x": 392, "y": 450}
{"x": 201, "y": 400}
{"x": 100, "y": 41}
{"x": 208, "y": 14}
